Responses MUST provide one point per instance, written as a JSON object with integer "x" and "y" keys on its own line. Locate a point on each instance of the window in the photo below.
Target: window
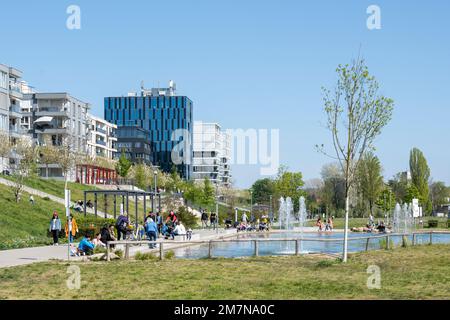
{"x": 3, "y": 80}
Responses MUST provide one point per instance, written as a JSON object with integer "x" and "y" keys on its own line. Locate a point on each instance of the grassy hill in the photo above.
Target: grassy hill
{"x": 26, "y": 225}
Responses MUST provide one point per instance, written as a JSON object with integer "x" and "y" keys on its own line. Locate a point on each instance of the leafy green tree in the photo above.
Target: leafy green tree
{"x": 140, "y": 176}
{"x": 399, "y": 186}
{"x": 420, "y": 175}
{"x": 369, "y": 179}
{"x": 332, "y": 194}
{"x": 412, "y": 193}
{"x": 262, "y": 190}
{"x": 386, "y": 200}
{"x": 123, "y": 165}
{"x": 289, "y": 184}
{"x": 192, "y": 192}
{"x": 439, "y": 194}
{"x": 356, "y": 114}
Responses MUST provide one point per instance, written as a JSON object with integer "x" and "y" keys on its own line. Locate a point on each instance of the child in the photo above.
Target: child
{"x": 189, "y": 234}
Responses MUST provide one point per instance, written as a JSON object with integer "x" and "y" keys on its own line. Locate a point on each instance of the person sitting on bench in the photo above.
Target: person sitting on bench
{"x": 179, "y": 230}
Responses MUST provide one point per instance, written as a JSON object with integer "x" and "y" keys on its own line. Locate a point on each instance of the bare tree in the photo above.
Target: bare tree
{"x": 48, "y": 154}
{"x": 356, "y": 113}
{"x": 66, "y": 159}
{"x": 27, "y": 155}
{"x": 5, "y": 148}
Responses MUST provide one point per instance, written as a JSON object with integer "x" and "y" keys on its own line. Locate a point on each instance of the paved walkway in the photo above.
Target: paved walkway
{"x": 17, "y": 257}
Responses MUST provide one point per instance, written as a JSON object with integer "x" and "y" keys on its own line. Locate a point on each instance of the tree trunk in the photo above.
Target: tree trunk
{"x": 344, "y": 255}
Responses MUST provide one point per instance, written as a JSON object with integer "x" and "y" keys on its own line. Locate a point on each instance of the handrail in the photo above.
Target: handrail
{"x": 256, "y": 241}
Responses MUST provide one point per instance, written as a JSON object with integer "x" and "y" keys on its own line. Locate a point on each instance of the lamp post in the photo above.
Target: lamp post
{"x": 155, "y": 175}
{"x": 251, "y": 205}
{"x": 270, "y": 210}
{"x": 217, "y": 208}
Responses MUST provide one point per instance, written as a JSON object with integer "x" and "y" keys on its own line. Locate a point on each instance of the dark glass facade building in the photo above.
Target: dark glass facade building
{"x": 161, "y": 115}
{"x": 135, "y": 143}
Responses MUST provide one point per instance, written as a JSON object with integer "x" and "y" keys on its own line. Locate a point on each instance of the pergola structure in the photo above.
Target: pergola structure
{"x": 91, "y": 174}
{"x": 124, "y": 199}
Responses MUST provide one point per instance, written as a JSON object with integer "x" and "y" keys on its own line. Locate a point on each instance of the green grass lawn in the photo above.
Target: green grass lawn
{"x": 26, "y": 225}
{"x": 56, "y": 188}
{"x": 421, "y": 272}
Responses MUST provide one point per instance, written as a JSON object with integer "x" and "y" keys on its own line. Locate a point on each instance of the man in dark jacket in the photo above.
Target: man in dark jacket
{"x": 121, "y": 226}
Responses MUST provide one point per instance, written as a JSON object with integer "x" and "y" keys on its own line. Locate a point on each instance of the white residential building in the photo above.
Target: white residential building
{"x": 212, "y": 154}
{"x": 101, "y": 138}
{"x": 56, "y": 118}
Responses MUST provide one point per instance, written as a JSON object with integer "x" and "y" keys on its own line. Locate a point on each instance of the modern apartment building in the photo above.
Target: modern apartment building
{"x": 168, "y": 118}
{"x": 11, "y": 98}
{"x": 59, "y": 119}
{"x": 135, "y": 143}
{"x": 212, "y": 154}
{"x": 102, "y": 138}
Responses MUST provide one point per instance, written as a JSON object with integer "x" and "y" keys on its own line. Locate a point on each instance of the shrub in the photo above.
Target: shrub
{"x": 325, "y": 263}
{"x": 383, "y": 243}
{"x": 188, "y": 219}
{"x": 448, "y": 223}
{"x": 46, "y": 198}
{"x": 119, "y": 253}
{"x": 433, "y": 223}
{"x": 144, "y": 256}
{"x": 169, "y": 255}
{"x": 99, "y": 250}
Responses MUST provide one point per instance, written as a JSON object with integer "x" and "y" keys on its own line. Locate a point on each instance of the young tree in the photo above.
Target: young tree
{"x": 27, "y": 155}
{"x": 66, "y": 159}
{"x": 140, "y": 176}
{"x": 208, "y": 194}
{"x": 356, "y": 114}
{"x": 5, "y": 148}
{"x": 420, "y": 175}
{"x": 369, "y": 179}
{"x": 386, "y": 199}
{"x": 48, "y": 155}
{"x": 123, "y": 165}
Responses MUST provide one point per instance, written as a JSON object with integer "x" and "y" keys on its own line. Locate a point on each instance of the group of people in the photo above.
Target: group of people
{"x": 56, "y": 226}
{"x": 371, "y": 226}
{"x": 262, "y": 224}
{"x": 328, "y": 226}
{"x": 212, "y": 218}
{"x": 78, "y": 206}
{"x": 86, "y": 245}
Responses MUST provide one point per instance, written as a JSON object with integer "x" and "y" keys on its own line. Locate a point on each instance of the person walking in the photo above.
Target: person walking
{"x": 32, "y": 200}
{"x": 151, "y": 229}
{"x": 159, "y": 221}
{"x": 213, "y": 220}
{"x": 204, "y": 219}
{"x": 73, "y": 228}
{"x": 121, "y": 227}
{"x": 244, "y": 218}
{"x": 55, "y": 228}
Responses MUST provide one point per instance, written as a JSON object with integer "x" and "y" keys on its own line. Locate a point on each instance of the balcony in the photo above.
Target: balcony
{"x": 100, "y": 130}
{"x": 16, "y": 131}
{"x": 15, "y": 111}
{"x": 54, "y": 112}
{"x": 15, "y": 90}
{"x": 101, "y": 142}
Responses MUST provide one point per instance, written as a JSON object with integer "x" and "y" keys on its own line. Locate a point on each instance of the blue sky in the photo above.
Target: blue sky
{"x": 249, "y": 64}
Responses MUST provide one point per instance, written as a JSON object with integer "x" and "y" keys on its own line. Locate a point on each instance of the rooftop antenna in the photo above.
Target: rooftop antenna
{"x": 142, "y": 87}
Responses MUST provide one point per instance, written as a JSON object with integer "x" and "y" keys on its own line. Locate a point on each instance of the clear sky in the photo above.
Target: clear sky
{"x": 249, "y": 64}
